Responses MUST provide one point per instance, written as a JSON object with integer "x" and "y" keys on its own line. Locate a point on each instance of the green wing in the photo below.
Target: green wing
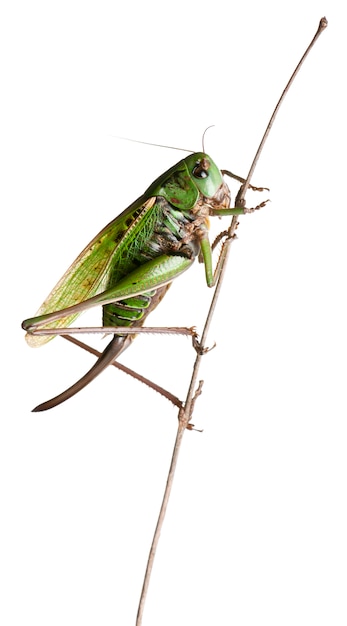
{"x": 107, "y": 258}
{"x": 88, "y": 274}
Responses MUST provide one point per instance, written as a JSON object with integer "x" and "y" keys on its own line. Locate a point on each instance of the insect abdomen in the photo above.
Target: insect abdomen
{"x": 127, "y": 312}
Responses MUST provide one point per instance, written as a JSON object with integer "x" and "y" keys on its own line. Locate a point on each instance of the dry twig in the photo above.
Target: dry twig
{"x": 186, "y": 411}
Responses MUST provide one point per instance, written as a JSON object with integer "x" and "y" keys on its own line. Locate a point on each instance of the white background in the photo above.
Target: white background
{"x": 256, "y": 527}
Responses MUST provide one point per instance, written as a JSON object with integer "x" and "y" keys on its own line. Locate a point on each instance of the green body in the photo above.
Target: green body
{"x": 129, "y": 265}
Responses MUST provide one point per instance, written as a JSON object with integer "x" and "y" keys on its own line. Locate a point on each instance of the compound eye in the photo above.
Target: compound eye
{"x": 201, "y": 168}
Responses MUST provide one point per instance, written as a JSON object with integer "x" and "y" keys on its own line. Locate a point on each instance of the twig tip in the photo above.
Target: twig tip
{"x": 322, "y": 24}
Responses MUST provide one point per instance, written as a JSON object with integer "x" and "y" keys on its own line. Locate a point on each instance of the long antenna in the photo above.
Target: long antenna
{"x": 203, "y": 136}
{"x": 148, "y": 143}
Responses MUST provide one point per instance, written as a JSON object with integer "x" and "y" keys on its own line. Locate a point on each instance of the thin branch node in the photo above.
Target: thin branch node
{"x": 198, "y": 390}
